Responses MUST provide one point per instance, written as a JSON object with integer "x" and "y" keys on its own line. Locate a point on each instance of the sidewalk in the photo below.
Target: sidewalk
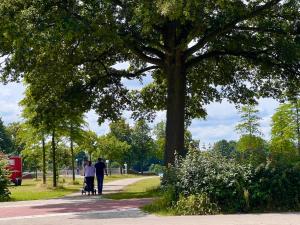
{"x": 72, "y": 204}
{"x": 110, "y": 187}
{"x": 77, "y": 210}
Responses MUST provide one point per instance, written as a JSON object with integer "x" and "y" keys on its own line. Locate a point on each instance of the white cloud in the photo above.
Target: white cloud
{"x": 10, "y": 95}
{"x": 220, "y": 123}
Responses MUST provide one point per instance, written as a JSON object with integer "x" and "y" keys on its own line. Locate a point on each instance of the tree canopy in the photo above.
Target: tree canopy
{"x": 198, "y": 51}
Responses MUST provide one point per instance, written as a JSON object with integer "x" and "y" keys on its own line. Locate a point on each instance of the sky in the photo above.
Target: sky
{"x": 219, "y": 124}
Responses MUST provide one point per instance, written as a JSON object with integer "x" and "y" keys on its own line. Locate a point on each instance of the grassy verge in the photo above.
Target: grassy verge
{"x": 32, "y": 189}
{"x": 147, "y": 188}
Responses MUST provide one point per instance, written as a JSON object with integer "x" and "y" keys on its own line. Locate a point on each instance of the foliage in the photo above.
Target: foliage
{"x": 249, "y": 124}
{"x": 6, "y": 144}
{"x": 231, "y": 186}
{"x": 198, "y": 204}
{"x": 164, "y": 204}
{"x": 160, "y": 139}
{"x": 14, "y": 130}
{"x": 142, "y": 144}
{"x": 252, "y": 149}
{"x": 199, "y": 52}
{"x": 156, "y": 168}
{"x": 225, "y": 148}
{"x": 275, "y": 187}
{"x": 284, "y": 133}
{"x": 90, "y": 143}
{"x": 113, "y": 149}
{"x": 4, "y": 180}
{"x": 223, "y": 180}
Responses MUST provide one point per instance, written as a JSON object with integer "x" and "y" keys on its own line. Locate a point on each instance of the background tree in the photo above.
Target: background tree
{"x": 199, "y": 51}
{"x": 122, "y": 131}
{"x": 32, "y": 157}
{"x": 189, "y": 142}
{"x": 90, "y": 144}
{"x": 250, "y": 145}
{"x": 283, "y": 133}
{"x": 142, "y": 143}
{"x": 114, "y": 150}
{"x": 6, "y": 144}
{"x": 295, "y": 103}
{"x": 73, "y": 128}
{"x": 249, "y": 124}
{"x": 225, "y": 148}
{"x": 159, "y": 132}
{"x": 14, "y": 130}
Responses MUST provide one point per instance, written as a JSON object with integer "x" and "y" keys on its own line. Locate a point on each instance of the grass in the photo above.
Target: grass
{"x": 147, "y": 188}
{"x": 32, "y": 189}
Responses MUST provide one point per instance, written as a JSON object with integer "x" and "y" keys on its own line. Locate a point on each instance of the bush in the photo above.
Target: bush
{"x": 205, "y": 182}
{"x": 198, "y": 204}
{"x": 223, "y": 180}
{"x": 164, "y": 204}
{"x": 275, "y": 187}
{"x": 156, "y": 168}
{"x": 4, "y": 180}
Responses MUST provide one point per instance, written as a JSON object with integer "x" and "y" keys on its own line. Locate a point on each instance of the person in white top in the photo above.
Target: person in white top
{"x": 89, "y": 174}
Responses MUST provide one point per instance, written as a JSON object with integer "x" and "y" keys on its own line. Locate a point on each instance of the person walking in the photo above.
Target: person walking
{"x": 89, "y": 175}
{"x": 100, "y": 170}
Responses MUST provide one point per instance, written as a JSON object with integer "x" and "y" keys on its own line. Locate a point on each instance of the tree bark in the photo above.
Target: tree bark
{"x": 298, "y": 125}
{"x": 54, "y": 158}
{"x": 176, "y": 78}
{"x": 72, "y": 153}
{"x": 44, "y": 160}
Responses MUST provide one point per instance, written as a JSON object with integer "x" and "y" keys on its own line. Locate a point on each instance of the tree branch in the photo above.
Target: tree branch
{"x": 228, "y": 27}
{"x": 126, "y": 74}
{"x": 267, "y": 30}
{"x": 143, "y": 56}
{"x": 216, "y": 53}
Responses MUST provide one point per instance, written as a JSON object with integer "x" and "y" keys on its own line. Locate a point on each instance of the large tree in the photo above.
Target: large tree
{"x": 199, "y": 51}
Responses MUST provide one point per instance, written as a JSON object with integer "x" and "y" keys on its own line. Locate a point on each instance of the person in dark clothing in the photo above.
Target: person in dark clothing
{"x": 100, "y": 170}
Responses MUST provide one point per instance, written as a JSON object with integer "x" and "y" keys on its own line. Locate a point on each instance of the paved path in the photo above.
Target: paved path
{"x": 72, "y": 204}
{"x": 78, "y": 210}
{"x": 136, "y": 217}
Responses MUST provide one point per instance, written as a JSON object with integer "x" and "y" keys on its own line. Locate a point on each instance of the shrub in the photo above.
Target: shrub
{"x": 156, "y": 168}
{"x": 198, "y": 204}
{"x": 223, "y": 180}
{"x": 204, "y": 180}
{"x": 275, "y": 187}
{"x": 163, "y": 204}
{"x": 4, "y": 180}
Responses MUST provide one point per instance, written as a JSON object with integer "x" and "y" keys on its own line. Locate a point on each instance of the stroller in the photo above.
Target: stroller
{"x": 85, "y": 189}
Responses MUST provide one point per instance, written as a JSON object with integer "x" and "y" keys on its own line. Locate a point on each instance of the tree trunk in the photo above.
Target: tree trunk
{"x": 176, "y": 77}
{"x": 72, "y": 154}
{"x": 142, "y": 167}
{"x": 298, "y": 125}
{"x": 54, "y": 158}
{"x": 44, "y": 160}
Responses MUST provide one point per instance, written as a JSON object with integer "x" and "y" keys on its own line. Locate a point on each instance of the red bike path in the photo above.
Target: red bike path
{"x": 74, "y": 203}
{"x": 72, "y": 207}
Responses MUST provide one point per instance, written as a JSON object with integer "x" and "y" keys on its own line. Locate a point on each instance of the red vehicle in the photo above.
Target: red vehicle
{"x": 15, "y": 166}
